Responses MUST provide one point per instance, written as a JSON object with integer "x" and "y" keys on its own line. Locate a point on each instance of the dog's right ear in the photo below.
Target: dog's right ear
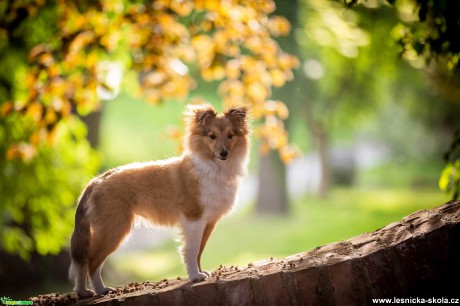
{"x": 199, "y": 114}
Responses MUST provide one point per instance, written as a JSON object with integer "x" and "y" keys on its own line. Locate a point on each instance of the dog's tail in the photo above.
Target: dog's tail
{"x": 81, "y": 236}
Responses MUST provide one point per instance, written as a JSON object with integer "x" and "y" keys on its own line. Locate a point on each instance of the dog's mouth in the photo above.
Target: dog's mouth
{"x": 222, "y": 157}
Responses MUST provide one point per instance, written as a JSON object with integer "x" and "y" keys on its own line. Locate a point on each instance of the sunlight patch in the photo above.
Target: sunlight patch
{"x": 147, "y": 264}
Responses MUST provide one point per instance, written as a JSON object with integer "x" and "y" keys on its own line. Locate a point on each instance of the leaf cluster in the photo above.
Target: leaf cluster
{"x": 63, "y": 69}
{"x": 428, "y": 29}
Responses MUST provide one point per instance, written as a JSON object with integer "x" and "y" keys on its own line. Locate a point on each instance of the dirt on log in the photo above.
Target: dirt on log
{"x": 416, "y": 258}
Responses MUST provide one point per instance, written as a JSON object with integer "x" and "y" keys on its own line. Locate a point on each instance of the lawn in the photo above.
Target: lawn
{"x": 243, "y": 237}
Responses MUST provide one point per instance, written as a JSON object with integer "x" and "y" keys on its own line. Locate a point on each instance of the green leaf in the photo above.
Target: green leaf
{"x": 445, "y": 178}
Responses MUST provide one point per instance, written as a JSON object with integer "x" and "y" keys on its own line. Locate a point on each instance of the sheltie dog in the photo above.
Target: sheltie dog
{"x": 192, "y": 191}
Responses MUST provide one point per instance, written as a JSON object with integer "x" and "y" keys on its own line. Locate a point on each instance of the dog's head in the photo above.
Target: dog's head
{"x": 215, "y": 136}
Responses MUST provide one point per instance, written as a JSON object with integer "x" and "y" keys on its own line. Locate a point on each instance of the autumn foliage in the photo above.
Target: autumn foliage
{"x": 227, "y": 41}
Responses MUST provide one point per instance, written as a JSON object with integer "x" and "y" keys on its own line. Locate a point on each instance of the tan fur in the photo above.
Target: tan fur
{"x": 182, "y": 191}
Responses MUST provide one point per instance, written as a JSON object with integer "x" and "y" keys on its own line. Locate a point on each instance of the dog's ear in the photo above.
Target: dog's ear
{"x": 237, "y": 116}
{"x": 199, "y": 114}
{"x": 203, "y": 116}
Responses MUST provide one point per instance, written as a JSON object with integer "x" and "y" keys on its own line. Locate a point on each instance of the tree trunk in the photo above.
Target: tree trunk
{"x": 93, "y": 124}
{"x": 322, "y": 141}
{"x": 272, "y": 195}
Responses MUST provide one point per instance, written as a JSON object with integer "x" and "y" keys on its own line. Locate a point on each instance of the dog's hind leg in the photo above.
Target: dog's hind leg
{"x": 98, "y": 284}
{"x": 79, "y": 273}
{"x": 79, "y": 246}
{"x": 105, "y": 239}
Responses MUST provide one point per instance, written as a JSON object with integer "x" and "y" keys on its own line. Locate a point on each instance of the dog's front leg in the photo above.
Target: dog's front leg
{"x": 192, "y": 232}
{"x": 206, "y": 234}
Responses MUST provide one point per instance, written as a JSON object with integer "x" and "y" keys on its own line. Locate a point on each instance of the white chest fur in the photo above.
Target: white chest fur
{"x": 219, "y": 182}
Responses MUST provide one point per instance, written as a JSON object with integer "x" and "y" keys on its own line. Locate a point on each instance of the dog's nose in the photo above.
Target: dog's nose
{"x": 224, "y": 153}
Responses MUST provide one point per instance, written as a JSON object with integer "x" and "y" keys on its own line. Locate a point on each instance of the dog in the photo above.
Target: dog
{"x": 192, "y": 191}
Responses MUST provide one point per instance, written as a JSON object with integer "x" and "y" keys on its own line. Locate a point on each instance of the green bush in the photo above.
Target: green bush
{"x": 39, "y": 185}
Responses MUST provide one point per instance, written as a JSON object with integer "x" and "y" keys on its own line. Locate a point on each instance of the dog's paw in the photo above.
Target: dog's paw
{"x": 208, "y": 274}
{"x": 85, "y": 293}
{"x": 200, "y": 276}
{"x": 105, "y": 290}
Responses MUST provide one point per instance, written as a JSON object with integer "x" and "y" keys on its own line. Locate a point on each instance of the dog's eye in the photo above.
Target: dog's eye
{"x": 230, "y": 136}
{"x": 212, "y": 136}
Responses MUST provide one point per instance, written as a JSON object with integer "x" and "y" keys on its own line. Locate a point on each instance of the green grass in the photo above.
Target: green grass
{"x": 403, "y": 174}
{"x": 242, "y": 238}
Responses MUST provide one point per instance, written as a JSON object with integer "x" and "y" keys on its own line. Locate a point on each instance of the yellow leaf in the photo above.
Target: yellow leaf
{"x": 182, "y": 8}
{"x": 248, "y": 63}
{"x": 278, "y": 77}
{"x": 282, "y": 110}
{"x": 287, "y": 61}
{"x": 6, "y": 108}
{"x": 46, "y": 59}
{"x": 279, "y": 26}
{"x": 288, "y": 153}
{"x": 231, "y": 88}
{"x": 23, "y": 151}
{"x": 264, "y": 148}
{"x": 232, "y": 69}
{"x": 35, "y": 111}
{"x": 50, "y": 116}
{"x": 230, "y": 101}
{"x": 270, "y": 108}
{"x": 153, "y": 96}
{"x": 267, "y": 6}
{"x": 257, "y": 92}
{"x": 258, "y": 110}
{"x": 154, "y": 78}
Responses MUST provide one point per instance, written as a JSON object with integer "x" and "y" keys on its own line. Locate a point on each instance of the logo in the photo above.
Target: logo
{"x": 8, "y": 301}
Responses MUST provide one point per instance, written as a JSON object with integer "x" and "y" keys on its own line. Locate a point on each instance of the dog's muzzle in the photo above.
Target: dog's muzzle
{"x": 223, "y": 154}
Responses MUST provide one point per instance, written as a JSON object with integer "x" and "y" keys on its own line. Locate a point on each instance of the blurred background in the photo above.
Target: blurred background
{"x": 371, "y": 123}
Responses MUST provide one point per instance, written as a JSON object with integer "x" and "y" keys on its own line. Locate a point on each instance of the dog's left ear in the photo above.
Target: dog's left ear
{"x": 237, "y": 113}
{"x": 237, "y": 116}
